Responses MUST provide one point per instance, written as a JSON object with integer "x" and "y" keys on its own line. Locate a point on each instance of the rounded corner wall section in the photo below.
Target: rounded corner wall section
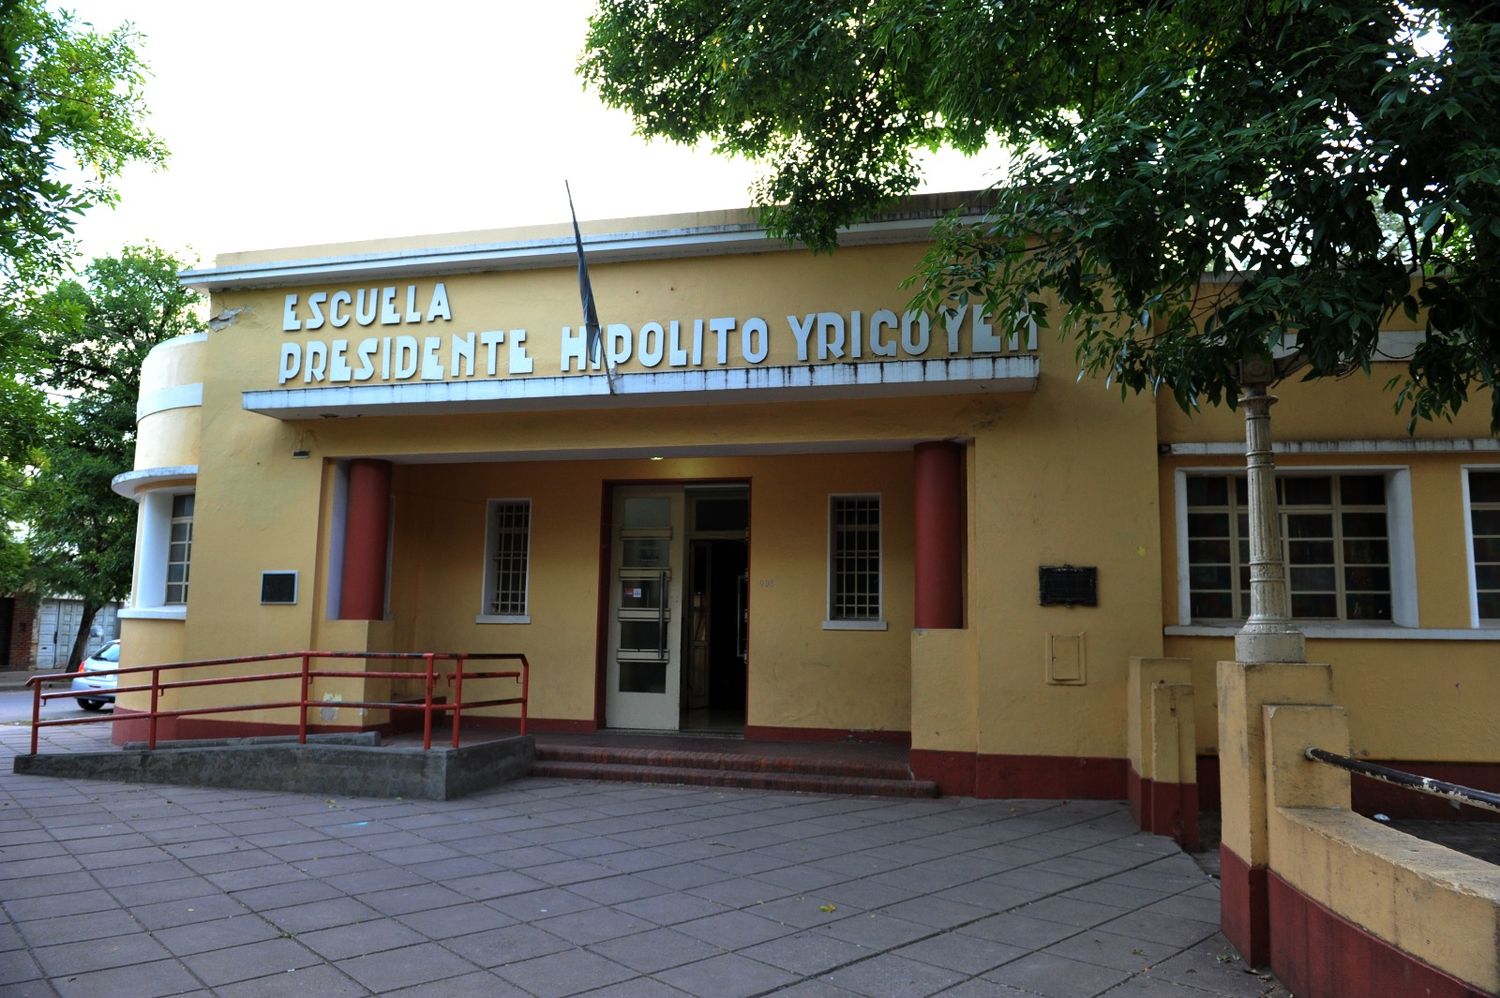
{"x": 168, "y": 413}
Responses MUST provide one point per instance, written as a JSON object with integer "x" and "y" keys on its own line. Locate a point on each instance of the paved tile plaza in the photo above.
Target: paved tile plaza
{"x": 550, "y": 887}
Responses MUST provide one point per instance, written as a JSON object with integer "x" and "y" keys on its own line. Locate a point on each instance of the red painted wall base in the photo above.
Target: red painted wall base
{"x": 1164, "y": 808}
{"x": 1053, "y": 777}
{"x": 1318, "y": 953}
{"x": 1243, "y": 913}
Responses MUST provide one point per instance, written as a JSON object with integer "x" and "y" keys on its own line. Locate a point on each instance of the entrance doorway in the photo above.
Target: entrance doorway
{"x": 678, "y": 652}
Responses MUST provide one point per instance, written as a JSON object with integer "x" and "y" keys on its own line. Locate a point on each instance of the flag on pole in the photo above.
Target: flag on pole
{"x": 586, "y": 293}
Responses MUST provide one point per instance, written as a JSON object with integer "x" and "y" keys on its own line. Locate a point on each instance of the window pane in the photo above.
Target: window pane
{"x": 1315, "y": 605}
{"x": 1212, "y": 606}
{"x": 1487, "y": 549}
{"x": 854, "y": 558}
{"x": 640, "y": 594}
{"x": 1487, "y": 521}
{"x": 183, "y": 505}
{"x": 648, "y": 513}
{"x": 1368, "y": 578}
{"x": 1309, "y": 525}
{"x": 1298, "y": 491}
{"x": 1487, "y": 576}
{"x": 1489, "y": 606}
{"x": 1313, "y": 579}
{"x": 1484, "y": 486}
{"x": 721, "y": 514}
{"x": 642, "y": 635}
{"x": 1209, "y": 576}
{"x": 1368, "y": 606}
{"x": 643, "y": 677}
{"x": 1205, "y": 491}
{"x": 1362, "y": 490}
{"x": 1310, "y": 552}
{"x": 1366, "y": 552}
{"x": 646, "y": 552}
{"x": 1241, "y": 490}
{"x": 1364, "y": 524}
{"x": 1208, "y": 524}
{"x": 510, "y": 556}
{"x": 1208, "y": 551}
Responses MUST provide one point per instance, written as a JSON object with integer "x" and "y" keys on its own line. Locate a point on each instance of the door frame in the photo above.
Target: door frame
{"x": 605, "y": 589}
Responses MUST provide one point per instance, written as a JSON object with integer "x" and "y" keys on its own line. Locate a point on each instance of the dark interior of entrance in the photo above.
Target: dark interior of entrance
{"x": 716, "y": 626}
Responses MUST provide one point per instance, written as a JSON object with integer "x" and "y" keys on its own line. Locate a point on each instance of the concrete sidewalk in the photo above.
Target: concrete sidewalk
{"x": 552, "y": 887}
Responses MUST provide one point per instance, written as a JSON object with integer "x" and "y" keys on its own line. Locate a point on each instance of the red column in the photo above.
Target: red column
{"x": 939, "y": 534}
{"x": 367, "y": 510}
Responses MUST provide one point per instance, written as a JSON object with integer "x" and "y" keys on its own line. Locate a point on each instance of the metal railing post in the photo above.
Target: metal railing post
{"x": 427, "y": 705}
{"x": 36, "y": 710}
{"x": 155, "y": 700}
{"x": 458, "y": 695}
{"x": 525, "y": 691}
{"x": 302, "y": 701}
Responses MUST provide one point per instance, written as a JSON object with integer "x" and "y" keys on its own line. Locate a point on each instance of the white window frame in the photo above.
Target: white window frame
{"x": 878, "y": 622}
{"x": 483, "y": 617}
{"x": 1475, "y": 620}
{"x": 1399, "y": 535}
{"x": 153, "y": 543}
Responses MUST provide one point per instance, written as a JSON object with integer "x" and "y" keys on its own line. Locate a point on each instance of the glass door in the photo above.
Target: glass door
{"x": 644, "y": 671}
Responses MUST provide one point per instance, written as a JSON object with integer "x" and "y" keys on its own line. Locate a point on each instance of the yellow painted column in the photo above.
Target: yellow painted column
{"x": 1244, "y": 689}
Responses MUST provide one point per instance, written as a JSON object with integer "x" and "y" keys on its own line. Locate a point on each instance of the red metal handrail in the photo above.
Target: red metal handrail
{"x": 305, "y": 675}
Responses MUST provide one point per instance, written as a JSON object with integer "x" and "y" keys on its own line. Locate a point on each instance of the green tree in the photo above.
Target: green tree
{"x": 1329, "y": 164}
{"x": 91, "y": 338}
{"x": 71, "y": 118}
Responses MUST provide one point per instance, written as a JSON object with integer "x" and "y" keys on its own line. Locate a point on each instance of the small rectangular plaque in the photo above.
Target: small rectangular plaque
{"x": 1069, "y": 585}
{"x": 278, "y": 588}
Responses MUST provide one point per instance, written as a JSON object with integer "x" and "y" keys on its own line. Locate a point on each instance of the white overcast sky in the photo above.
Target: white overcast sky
{"x": 293, "y": 122}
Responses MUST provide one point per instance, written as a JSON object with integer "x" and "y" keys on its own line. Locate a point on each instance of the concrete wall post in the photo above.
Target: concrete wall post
{"x": 1244, "y": 690}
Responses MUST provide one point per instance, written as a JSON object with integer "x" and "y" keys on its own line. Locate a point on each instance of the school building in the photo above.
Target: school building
{"x": 796, "y": 510}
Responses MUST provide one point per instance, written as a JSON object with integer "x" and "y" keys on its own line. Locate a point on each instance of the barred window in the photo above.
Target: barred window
{"x": 1334, "y": 540}
{"x": 509, "y": 554}
{"x": 179, "y": 547}
{"x": 1484, "y": 523}
{"x": 854, "y": 558}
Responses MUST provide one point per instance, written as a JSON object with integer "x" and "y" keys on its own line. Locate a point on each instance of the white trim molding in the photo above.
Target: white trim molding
{"x": 131, "y": 484}
{"x": 1347, "y": 632}
{"x": 1407, "y": 445}
{"x": 552, "y": 251}
{"x": 869, "y": 379}
{"x": 176, "y": 612}
{"x": 163, "y": 399}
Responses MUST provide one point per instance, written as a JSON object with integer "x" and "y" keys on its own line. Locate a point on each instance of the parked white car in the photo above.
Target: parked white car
{"x": 95, "y": 680}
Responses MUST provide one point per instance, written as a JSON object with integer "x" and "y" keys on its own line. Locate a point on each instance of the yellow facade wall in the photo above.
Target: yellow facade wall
{"x": 1065, "y": 474}
{"x": 1055, "y": 487}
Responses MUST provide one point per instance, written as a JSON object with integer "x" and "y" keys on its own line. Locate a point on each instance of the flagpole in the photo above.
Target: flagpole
{"x": 593, "y": 346}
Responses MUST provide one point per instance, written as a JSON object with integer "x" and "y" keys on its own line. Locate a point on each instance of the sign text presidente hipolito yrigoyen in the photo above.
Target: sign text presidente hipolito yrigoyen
{"x": 828, "y": 336}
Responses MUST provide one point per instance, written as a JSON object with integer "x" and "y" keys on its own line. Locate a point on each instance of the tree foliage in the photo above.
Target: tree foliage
{"x": 71, "y": 118}
{"x": 91, "y": 337}
{"x": 1328, "y": 165}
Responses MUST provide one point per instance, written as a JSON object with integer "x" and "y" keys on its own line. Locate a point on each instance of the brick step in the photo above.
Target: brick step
{"x": 733, "y": 761}
{"x": 752, "y": 779}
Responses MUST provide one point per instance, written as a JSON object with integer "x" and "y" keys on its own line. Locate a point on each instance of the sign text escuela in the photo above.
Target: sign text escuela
{"x": 701, "y": 342}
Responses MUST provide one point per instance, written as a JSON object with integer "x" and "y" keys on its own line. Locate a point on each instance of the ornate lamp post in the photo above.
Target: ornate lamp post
{"x": 1269, "y": 634}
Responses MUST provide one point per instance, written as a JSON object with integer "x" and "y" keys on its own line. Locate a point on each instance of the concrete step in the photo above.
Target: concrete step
{"x": 748, "y": 778}
{"x": 738, "y": 761}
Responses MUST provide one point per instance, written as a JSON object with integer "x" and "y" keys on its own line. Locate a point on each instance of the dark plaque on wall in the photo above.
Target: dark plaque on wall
{"x": 1069, "y": 585}
{"x": 278, "y": 588}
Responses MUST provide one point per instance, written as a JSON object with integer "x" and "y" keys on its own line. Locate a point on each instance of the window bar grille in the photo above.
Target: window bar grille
{"x": 856, "y": 558}
{"x": 512, "y": 534}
